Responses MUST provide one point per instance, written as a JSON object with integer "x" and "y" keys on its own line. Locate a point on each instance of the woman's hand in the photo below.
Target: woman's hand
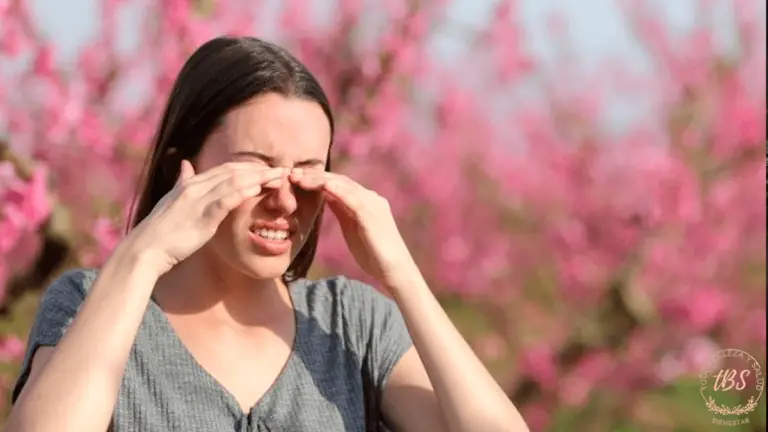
{"x": 189, "y": 215}
{"x": 366, "y": 222}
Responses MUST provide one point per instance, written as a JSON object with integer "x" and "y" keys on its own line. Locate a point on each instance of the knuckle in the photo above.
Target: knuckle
{"x": 236, "y": 181}
{"x": 230, "y": 166}
{"x": 230, "y": 201}
{"x": 184, "y": 190}
{"x": 234, "y": 199}
{"x": 381, "y": 201}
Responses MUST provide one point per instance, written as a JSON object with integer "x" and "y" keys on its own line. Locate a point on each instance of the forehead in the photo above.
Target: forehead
{"x": 287, "y": 129}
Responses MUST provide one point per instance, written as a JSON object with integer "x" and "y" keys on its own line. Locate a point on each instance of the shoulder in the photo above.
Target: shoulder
{"x": 357, "y": 308}
{"x": 369, "y": 321}
{"x": 71, "y": 284}
{"x": 340, "y": 291}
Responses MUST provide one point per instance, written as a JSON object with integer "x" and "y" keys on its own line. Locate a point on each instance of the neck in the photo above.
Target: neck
{"x": 209, "y": 289}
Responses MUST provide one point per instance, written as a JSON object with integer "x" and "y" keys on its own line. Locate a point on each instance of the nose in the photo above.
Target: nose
{"x": 281, "y": 200}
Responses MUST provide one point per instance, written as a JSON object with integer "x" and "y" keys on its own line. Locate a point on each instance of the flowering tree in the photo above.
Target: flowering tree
{"x": 589, "y": 267}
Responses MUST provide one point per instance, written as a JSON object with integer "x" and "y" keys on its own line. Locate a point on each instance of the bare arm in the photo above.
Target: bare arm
{"x": 74, "y": 386}
{"x": 441, "y": 385}
{"x": 444, "y": 386}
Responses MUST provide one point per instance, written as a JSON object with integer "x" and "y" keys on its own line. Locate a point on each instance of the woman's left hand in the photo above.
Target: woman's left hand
{"x": 366, "y": 222}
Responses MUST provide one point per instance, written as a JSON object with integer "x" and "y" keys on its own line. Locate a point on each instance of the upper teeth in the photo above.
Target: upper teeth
{"x": 272, "y": 234}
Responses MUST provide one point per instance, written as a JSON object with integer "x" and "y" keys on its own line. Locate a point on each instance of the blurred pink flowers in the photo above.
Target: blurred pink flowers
{"x": 507, "y": 184}
{"x": 11, "y": 349}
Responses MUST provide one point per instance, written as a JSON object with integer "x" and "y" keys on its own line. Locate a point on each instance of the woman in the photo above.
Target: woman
{"x": 202, "y": 319}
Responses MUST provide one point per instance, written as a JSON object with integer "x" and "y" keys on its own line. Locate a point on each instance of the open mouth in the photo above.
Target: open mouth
{"x": 270, "y": 240}
{"x": 271, "y": 234}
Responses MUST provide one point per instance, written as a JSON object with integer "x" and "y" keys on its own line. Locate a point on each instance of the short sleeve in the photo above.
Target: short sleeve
{"x": 58, "y": 307}
{"x": 377, "y": 328}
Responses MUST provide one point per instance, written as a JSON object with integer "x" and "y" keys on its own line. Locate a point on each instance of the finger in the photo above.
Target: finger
{"x": 186, "y": 172}
{"x": 311, "y": 182}
{"x": 265, "y": 177}
{"x": 244, "y": 185}
{"x": 335, "y": 187}
{"x": 338, "y": 208}
{"x": 345, "y": 193}
{"x": 317, "y": 180}
{"x": 224, "y": 170}
{"x": 274, "y": 183}
{"x": 219, "y": 208}
{"x": 344, "y": 180}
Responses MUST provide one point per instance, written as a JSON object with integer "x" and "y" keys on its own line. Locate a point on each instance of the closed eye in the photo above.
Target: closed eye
{"x": 273, "y": 162}
{"x": 246, "y": 157}
{"x": 311, "y": 163}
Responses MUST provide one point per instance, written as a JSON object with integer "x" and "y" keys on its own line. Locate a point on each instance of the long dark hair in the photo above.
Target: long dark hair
{"x": 220, "y": 75}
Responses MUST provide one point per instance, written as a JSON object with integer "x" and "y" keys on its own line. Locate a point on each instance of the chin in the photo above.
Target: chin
{"x": 243, "y": 259}
{"x": 260, "y": 267}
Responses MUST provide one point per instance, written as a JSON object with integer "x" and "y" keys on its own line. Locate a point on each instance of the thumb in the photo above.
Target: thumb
{"x": 186, "y": 171}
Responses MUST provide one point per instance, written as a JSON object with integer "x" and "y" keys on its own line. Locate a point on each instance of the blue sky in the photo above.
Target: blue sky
{"x": 597, "y": 28}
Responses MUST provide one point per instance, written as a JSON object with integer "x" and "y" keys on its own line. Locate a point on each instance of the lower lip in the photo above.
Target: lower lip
{"x": 270, "y": 247}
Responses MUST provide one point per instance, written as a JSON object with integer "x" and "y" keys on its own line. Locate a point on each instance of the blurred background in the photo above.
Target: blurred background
{"x": 580, "y": 182}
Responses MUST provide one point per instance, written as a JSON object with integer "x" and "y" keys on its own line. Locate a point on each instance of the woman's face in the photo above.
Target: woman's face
{"x": 274, "y": 131}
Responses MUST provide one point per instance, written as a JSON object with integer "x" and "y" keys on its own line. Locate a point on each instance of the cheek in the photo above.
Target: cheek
{"x": 240, "y": 216}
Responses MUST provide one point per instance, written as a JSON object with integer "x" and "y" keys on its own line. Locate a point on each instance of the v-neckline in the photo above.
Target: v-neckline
{"x": 215, "y": 383}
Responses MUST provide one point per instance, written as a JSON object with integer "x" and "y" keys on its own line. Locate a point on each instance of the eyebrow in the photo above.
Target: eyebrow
{"x": 270, "y": 160}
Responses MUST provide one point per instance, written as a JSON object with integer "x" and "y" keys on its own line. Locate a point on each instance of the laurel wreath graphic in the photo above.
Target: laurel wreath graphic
{"x": 737, "y": 410}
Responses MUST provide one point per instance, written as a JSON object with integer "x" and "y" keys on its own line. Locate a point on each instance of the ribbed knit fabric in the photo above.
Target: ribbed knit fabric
{"x": 341, "y": 323}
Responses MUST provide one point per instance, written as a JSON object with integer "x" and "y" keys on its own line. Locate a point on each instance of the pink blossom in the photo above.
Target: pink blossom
{"x": 4, "y": 273}
{"x": 670, "y": 369}
{"x": 11, "y": 39}
{"x": 491, "y": 347}
{"x": 538, "y": 362}
{"x": 44, "y": 61}
{"x": 586, "y": 377}
{"x": 11, "y": 349}
{"x": 508, "y": 185}
{"x": 537, "y": 416}
{"x": 107, "y": 235}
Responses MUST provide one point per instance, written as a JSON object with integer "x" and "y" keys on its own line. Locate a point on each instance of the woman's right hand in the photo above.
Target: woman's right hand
{"x": 190, "y": 213}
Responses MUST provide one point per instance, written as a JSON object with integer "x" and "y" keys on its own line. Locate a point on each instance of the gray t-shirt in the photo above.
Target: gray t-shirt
{"x": 348, "y": 338}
